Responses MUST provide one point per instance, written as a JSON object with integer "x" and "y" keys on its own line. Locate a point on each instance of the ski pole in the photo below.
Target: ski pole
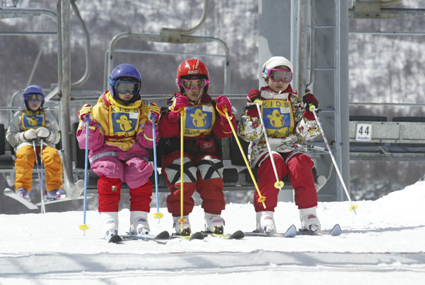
{"x": 182, "y": 123}
{"x": 353, "y": 207}
{"x": 278, "y": 184}
{"x": 157, "y": 215}
{"x": 41, "y": 168}
{"x": 84, "y": 226}
{"x": 261, "y": 198}
{"x": 40, "y": 182}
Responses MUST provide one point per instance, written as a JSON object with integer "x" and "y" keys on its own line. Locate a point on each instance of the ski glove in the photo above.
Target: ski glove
{"x": 46, "y": 134}
{"x": 308, "y": 100}
{"x": 179, "y": 103}
{"x": 154, "y": 113}
{"x": 43, "y": 132}
{"x": 85, "y": 112}
{"x": 253, "y": 95}
{"x": 224, "y": 103}
{"x": 31, "y": 134}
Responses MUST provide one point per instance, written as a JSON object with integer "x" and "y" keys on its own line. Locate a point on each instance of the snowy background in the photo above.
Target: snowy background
{"x": 382, "y": 244}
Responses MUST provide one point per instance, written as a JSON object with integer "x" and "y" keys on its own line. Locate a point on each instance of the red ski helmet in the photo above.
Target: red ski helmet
{"x": 192, "y": 67}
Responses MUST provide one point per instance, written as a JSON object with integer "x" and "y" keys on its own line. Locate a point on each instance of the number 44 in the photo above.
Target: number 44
{"x": 364, "y": 132}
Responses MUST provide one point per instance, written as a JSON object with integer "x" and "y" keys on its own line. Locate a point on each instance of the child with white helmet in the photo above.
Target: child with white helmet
{"x": 120, "y": 131}
{"x": 288, "y": 124}
{"x": 35, "y": 124}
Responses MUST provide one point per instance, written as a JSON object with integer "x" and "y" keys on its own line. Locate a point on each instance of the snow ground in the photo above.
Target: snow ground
{"x": 382, "y": 244}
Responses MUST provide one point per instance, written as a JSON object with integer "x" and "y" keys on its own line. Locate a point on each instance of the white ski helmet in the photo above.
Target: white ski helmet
{"x": 272, "y": 63}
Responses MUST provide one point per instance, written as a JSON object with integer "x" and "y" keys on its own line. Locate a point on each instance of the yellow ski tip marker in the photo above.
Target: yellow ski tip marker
{"x": 84, "y": 228}
{"x": 158, "y": 215}
{"x": 261, "y": 200}
{"x": 278, "y": 184}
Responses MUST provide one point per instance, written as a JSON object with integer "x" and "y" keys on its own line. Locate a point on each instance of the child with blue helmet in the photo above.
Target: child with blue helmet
{"x": 120, "y": 130}
{"x": 35, "y": 124}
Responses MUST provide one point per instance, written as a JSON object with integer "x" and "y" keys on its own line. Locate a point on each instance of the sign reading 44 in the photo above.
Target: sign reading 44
{"x": 364, "y": 132}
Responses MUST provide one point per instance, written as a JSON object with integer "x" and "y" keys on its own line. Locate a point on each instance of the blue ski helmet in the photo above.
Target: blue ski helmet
{"x": 33, "y": 90}
{"x": 126, "y": 72}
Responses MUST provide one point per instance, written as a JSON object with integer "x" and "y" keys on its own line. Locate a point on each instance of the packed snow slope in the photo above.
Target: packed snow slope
{"x": 382, "y": 244}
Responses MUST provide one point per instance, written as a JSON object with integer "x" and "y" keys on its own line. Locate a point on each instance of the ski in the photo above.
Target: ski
{"x": 47, "y": 202}
{"x": 115, "y": 239}
{"x": 164, "y": 235}
{"x": 10, "y": 193}
{"x": 236, "y": 235}
{"x": 197, "y": 235}
{"x": 290, "y": 232}
{"x": 335, "y": 231}
{"x": 20, "y": 199}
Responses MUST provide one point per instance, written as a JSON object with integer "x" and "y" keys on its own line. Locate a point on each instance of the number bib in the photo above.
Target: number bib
{"x": 199, "y": 120}
{"x": 32, "y": 120}
{"x": 278, "y": 118}
{"x": 123, "y": 122}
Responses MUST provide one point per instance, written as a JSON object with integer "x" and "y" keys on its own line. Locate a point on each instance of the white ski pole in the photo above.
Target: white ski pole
{"x": 40, "y": 178}
{"x": 353, "y": 207}
{"x": 41, "y": 167}
{"x": 277, "y": 184}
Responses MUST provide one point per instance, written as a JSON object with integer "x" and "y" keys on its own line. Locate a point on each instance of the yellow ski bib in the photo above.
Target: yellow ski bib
{"x": 32, "y": 120}
{"x": 123, "y": 123}
{"x": 278, "y": 118}
{"x": 200, "y": 119}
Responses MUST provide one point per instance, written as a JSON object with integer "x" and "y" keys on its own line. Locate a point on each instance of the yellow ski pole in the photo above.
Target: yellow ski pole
{"x": 278, "y": 184}
{"x": 353, "y": 207}
{"x": 182, "y": 123}
{"x": 261, "y": 198}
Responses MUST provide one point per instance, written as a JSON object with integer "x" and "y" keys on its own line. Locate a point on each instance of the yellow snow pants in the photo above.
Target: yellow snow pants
{"x": 24, "y": 164}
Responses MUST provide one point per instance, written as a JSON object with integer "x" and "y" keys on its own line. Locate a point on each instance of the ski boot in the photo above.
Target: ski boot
{"x": 183, "y": 231}
{"x": 309, "y": 220}
{"x": 214, "y": 224}
{"x": 265, "y": 222}
{"x": 139, "y": 223}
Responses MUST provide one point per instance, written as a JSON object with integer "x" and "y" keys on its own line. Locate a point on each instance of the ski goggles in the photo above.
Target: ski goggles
{"x": 189, "y": 84}
{"x": 124, "y": 87}
{"x": 279, "y": 74}
{"x": 34, "y": 97}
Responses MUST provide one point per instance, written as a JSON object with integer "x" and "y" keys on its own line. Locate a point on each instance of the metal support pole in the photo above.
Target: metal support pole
{"x": 301, "y": 46}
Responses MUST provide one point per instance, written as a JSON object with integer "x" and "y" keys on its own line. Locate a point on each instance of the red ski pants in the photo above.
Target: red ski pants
{"x": 299, "y": 173}
{"x": 202, "y": 175}
{"x": 109, "y": 190}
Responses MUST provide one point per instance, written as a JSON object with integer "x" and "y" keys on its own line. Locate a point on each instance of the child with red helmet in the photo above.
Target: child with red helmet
{"x": 203, "y": 166}
{"x": 288, "y": 124}
{"x": 120, "y": 131}
{"x": 35, "y": 124}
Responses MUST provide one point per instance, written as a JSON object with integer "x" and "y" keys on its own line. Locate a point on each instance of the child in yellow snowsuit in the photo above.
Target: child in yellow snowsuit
{"x": 35, "y": 124}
